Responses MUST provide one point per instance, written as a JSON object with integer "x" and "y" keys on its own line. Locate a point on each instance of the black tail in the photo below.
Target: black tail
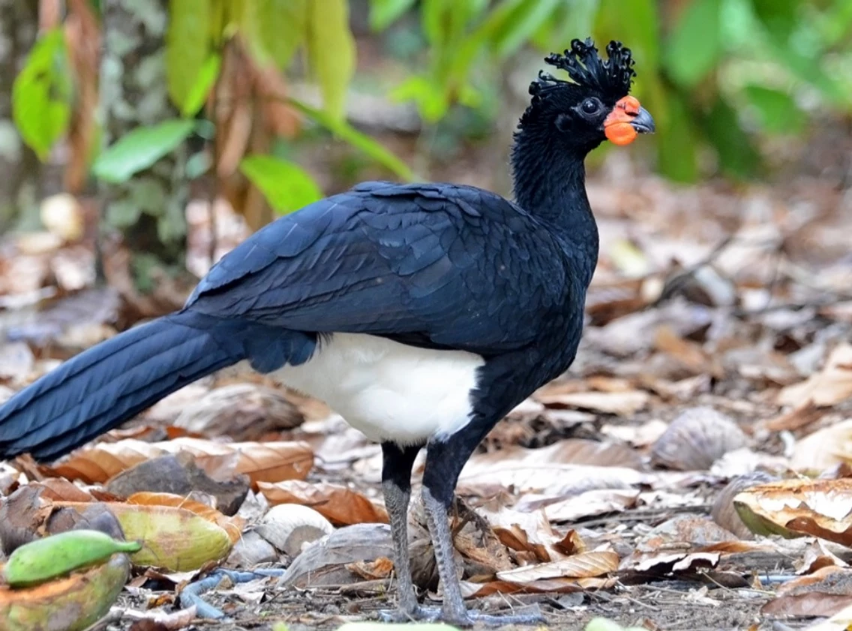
{"x": 111, "y": 382}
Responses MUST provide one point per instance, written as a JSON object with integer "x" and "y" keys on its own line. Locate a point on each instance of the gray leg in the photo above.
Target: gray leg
{"x": 444, "y": 462}
{"x": 396, "y": 485}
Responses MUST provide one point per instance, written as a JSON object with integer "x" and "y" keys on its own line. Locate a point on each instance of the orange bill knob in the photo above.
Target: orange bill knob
{"x": 627, "y": 120}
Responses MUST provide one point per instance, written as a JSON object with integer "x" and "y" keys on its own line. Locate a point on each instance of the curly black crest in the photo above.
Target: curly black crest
{"x": 586, "y": 68}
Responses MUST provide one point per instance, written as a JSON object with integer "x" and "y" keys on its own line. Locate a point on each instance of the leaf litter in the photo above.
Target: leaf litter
{"x": 705, "y": 421}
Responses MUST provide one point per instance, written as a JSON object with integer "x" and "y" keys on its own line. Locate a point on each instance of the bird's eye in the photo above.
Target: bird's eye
{"x": 591, "y": 106}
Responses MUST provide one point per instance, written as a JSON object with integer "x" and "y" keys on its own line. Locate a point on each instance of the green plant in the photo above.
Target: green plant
{"x": 720, "y": 74}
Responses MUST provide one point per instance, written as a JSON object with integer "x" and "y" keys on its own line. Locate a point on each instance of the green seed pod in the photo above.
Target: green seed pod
{"x": 44, "y": 559}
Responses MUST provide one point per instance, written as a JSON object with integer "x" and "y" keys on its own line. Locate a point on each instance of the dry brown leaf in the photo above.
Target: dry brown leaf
{"x": 831, "y": 385}
{"x": 688, "y": 354}
{"x": 825, "y": 448}
{"x": 232, "y": 525}
{"x": 620, "y": 403}
{"x": 61, "y": 489}
{"x": 796, "y": 418}
{"x": 525, "y": 532}
{"x": 794, "y": 508}
{"x": 548, "y": 471}
{"x": 379, "y": 568}
{"x": 262, "y": 462}
{"x": 825, "y": 593}
{"x": 341, "y": 506}
{"x": 583, "y": 565}
{"x": 551, "y": 585}
{"x": 591, "y": 503}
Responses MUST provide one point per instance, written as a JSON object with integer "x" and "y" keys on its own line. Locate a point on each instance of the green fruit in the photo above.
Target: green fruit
{"x": 44, "y": 559}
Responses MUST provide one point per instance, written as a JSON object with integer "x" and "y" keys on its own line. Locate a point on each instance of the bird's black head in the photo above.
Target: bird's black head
{"x": 593, "y": 106}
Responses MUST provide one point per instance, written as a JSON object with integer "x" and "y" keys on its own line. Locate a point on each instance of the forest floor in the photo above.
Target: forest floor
{"x": 716, "y": 361}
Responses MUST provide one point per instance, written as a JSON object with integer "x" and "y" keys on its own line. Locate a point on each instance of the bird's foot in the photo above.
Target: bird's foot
{"x": 416, "y": 614}
{"x": 463, "y": 618}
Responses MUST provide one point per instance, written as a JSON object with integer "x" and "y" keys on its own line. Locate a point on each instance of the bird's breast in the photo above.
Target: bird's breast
{"x": 389, "y": 391}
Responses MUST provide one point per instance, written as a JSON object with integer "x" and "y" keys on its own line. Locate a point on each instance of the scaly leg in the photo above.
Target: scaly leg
{"x": 396, "y": 485}
{"x": 444, "y": 462}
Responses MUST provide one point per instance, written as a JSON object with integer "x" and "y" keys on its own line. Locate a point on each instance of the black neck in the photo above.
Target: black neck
{"x": 550, "y": 184}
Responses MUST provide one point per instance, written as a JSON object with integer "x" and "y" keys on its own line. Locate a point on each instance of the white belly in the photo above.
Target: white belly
{"x": 389, "y": 391}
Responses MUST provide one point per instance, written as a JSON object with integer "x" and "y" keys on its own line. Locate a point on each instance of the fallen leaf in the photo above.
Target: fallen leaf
{"x": 831, "y": 385}
{"x": 262, "y": 462}
{"x": 340, "y": 505}
{"x": 620, "y": 403}
{"x": 825, "y": 448}
{"x": 583, "y": 565}
{"x": 591, "y": 503}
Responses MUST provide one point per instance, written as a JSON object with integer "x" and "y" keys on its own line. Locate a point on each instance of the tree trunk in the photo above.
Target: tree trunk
{"x": 148, "y": 210}
{"x": 21, "y": 169}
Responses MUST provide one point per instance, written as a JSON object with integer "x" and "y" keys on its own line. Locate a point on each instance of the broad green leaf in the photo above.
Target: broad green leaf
{"x": 777, "y": 110}
{"x": 383, "y": 13}
{"x": 274, "y": 29}
{"x": 676, "y": 142}
{"x": 286, "y": 186}
{"x": 331, "y": 51}
{"x": 349, "y": 134}
{"x": 737, "y": 156}
{"x": 187, "y": 47}
{"x": 140, "y": 149}
{"x": 204, "y": 82}
{"x": 42, "y": 93}
{"x": 695, "y": 44}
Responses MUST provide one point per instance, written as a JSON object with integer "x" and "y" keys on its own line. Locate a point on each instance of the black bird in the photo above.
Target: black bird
{"x": 422, "y": 313}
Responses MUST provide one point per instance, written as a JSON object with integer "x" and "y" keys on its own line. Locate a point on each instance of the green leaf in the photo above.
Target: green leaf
{"x": 287, "y": 186}
{"x": 737, "y": 156}
{"x": 777, "y": 110}
{"x": 140, "y": 149}
{"x": 383, "y": 13}
{"x": 349, "y": 134}
{"x": 331, "y": 51}
{"x": 779, "y": 16}
{"x": 204, "y": 82}
{"x": 431, "y": 99}
{"x": 42, "y": 93}
{"x": 274, "y": 29}
{"x": 695, "y": 44}
{"x": 187, "y": 47}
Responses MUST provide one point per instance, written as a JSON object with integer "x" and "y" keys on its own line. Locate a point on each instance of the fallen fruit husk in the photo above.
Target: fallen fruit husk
{"x": 68, "y": 604}
{"x": 174, "y": 539}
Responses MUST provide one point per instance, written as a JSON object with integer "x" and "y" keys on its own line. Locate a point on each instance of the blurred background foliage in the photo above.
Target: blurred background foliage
{"x": 253, "y": 82}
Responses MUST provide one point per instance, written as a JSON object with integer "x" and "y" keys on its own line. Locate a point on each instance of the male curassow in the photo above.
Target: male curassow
{"x": 422, "y": 313}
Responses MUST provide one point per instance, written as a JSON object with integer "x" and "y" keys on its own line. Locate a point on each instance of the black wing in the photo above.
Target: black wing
{"x": 433, "y": 265}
